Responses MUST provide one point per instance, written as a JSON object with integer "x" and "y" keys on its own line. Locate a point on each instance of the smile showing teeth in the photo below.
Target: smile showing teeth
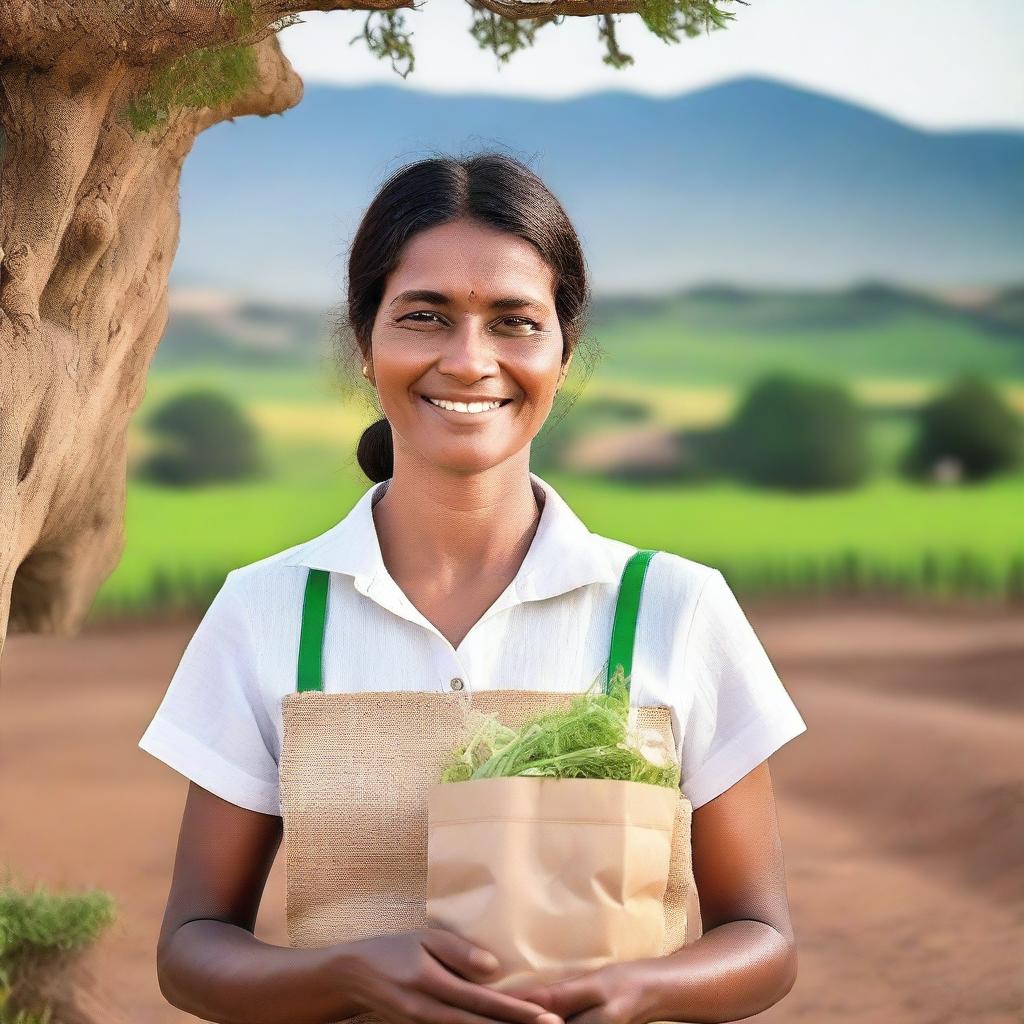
{"x": 464, "y": 406}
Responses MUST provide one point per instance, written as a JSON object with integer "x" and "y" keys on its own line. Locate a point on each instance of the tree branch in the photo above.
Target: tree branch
{"x": 39, "y": 32}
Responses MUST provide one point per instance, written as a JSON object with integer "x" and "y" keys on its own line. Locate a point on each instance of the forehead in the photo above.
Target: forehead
{"x": 461, "y": 256}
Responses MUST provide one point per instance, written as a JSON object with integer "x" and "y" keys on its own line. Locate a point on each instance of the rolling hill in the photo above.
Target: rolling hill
{"x": 752, "y": 181}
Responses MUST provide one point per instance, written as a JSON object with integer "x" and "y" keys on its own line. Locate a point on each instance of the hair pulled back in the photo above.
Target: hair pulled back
{"x": 490, "y": 188}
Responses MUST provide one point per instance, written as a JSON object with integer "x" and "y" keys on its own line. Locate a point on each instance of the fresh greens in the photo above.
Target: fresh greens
{"x": 590, "y": 739}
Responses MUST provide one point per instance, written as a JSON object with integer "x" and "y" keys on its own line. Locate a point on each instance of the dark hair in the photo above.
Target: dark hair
{"x": 491, "y": 188}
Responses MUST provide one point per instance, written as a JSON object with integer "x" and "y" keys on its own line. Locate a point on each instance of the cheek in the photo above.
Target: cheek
{"x": 540, "y": 369}
{"x": 397, "y": 360}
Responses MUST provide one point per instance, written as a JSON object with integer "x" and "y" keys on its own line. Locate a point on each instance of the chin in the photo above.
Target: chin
{"x": 466, "y": 463}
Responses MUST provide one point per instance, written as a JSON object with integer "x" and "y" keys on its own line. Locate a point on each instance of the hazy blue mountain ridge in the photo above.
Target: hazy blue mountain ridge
{"x": 750, "y": 181}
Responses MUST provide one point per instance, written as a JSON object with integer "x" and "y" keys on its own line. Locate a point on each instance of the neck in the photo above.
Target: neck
{"x": 452, "y": 529}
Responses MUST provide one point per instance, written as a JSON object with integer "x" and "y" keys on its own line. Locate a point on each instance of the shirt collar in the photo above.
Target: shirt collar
{"x": 564, "y": 553}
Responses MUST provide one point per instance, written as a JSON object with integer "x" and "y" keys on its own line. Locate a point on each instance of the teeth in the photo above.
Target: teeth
{"x": 463, "y": 406}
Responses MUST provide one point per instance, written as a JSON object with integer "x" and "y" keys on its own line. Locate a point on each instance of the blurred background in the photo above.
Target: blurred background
{"x": 805, "y": 367}
{"x": 806, "y": 235}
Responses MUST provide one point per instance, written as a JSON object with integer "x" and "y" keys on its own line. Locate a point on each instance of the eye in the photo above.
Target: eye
{"x": 417, "y": 313}
{"x": 523, "y": 321}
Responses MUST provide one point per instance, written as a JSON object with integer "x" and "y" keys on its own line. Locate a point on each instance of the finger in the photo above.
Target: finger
{"x": 595, "y": 1015}
{"x": 481, "y": 999}
{"x": 468, "y": 959}
{"x": 572, "y": 995}
{"x": 531, "y": 993}
{"x": 423, "y": 1008}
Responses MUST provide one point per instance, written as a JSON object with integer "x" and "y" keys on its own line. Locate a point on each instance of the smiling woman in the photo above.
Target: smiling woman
{"x": 481, "y": 297}
{"x": 326, "y": 687}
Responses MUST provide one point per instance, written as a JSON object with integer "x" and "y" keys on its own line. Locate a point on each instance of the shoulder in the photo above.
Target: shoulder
{"x": 680, "y": 578}
{"x": 673, "y": 578}
{"x": 269, "y": 584}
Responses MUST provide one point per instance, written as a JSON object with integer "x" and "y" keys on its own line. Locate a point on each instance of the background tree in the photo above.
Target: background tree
{"x": 798, "y": 434}
{"x": 971, "y": 424}
{"x": 205, "y": 438}
{"x": 100, "y": 103}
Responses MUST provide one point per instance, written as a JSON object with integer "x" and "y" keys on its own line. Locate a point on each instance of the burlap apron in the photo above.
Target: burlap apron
{"x": 354, "y": 773}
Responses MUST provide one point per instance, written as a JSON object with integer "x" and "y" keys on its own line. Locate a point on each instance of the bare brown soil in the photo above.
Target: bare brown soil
{"x": 901, "y": 807}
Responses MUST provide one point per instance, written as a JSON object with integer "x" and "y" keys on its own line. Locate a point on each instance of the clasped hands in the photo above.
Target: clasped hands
{"x": 618, "y": 993}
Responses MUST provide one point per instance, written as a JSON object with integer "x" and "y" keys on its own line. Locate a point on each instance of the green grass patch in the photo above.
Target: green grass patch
{"x": 888, "y": 536}
{"x": 918, "y": 346}
{"x": 42, "y": 932}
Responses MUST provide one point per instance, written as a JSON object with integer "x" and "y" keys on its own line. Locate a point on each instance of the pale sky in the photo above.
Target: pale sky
{"x": 932, "y": 63}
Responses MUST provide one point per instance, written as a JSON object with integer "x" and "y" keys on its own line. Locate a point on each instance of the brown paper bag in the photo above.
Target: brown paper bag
{"x": 555, "y": 877}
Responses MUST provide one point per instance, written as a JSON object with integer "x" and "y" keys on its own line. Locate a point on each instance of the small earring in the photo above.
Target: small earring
{"x": 364, "y": 370}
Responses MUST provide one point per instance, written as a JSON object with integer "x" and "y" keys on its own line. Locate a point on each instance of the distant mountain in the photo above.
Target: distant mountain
{"x": 751, "y": 181}
{"x": 869, "y": 304}
{"x": 208, "y": 327}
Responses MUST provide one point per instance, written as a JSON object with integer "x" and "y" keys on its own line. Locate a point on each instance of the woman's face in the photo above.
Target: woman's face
{"x": 468, "y": 314}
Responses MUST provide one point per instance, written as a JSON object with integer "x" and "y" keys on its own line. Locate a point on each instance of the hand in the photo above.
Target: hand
{"x": 618, "y": 993}
{"x": 430, "y": 976}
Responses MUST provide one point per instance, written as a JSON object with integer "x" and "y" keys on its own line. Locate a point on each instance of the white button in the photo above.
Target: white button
{"x": 456, "y": 683}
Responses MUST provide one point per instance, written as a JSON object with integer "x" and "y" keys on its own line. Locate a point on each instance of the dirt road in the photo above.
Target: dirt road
{"x": 901, "y": 807}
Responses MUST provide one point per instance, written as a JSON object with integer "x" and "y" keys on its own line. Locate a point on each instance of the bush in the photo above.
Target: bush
{"x": 705, "y": 453}
{"x": 796, "y": 433}
{"x": 44, "y": 939}
{"x": 204, "y": 437}
{"x": 551, "y": 446}
{"x": 968, "y": 428}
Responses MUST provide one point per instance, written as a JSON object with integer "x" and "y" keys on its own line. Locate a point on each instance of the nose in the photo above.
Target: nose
{"x": 468, "y": 352}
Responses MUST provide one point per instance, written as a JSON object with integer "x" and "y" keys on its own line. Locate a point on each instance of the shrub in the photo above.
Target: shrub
{"x": 796, "y": 433}
{"x": 970, "y": 428}
{"x": 204, "y": 437}
{"x": 44, "y": 939}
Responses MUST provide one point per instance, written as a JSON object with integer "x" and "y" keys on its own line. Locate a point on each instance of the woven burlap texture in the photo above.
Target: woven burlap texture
{"x": 354, "y": 773}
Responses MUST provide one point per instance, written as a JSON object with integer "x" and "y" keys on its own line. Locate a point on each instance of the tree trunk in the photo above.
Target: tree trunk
{"x": 88, "y": 229}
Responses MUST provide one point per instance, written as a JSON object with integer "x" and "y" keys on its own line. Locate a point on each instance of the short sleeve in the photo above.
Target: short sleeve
{"x": 213, "y": 725}
{"x": 740, "y": 712}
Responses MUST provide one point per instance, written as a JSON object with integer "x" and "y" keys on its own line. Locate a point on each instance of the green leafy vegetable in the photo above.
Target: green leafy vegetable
{"x": 590, "y": 739}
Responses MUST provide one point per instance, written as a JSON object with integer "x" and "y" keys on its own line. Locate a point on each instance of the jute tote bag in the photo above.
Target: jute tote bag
{"x": 555, "y": 876}
{"x": 356, "y": 769}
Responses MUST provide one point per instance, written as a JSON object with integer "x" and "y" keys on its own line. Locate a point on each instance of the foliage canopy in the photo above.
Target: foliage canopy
{"x": 213, "y": 75}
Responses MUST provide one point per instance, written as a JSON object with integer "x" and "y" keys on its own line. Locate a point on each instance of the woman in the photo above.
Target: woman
{"x": 459, "y": 572}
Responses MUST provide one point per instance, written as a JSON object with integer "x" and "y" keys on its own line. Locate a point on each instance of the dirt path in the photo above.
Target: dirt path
{"x": 901, "y": 807}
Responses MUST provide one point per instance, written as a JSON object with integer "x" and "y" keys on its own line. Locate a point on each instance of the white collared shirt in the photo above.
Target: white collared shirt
{"x": 219, "y": 723}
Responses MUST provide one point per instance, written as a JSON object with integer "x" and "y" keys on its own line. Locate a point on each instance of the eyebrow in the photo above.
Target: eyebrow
{"x": 505, "y": 302}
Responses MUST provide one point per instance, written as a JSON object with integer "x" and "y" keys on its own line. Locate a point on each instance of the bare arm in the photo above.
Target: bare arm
{"x": 746, "y": 958}
{"x": 210, "y": 963}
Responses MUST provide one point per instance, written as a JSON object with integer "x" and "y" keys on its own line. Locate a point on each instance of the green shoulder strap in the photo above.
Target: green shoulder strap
{"x": 626, "y": 608}
{"x": 311, "y": 635}
{"x": 314, "y": 614}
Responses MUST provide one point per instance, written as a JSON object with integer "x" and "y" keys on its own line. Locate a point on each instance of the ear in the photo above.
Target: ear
{"x": 565, "y": 370}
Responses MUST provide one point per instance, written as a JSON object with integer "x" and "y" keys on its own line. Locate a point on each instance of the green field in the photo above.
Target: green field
{"x": 914, "y": 346}
{"x": 882, "y": 537}
{"x": 688, "y": 358}
{"x": 887, "y": 536}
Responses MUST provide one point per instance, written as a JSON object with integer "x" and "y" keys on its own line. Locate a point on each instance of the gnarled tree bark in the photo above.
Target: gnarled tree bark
{"x": 89, "y": 226}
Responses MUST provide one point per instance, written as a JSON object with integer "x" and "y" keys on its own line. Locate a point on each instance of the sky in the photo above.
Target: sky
{"x": 938, "y": 64}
